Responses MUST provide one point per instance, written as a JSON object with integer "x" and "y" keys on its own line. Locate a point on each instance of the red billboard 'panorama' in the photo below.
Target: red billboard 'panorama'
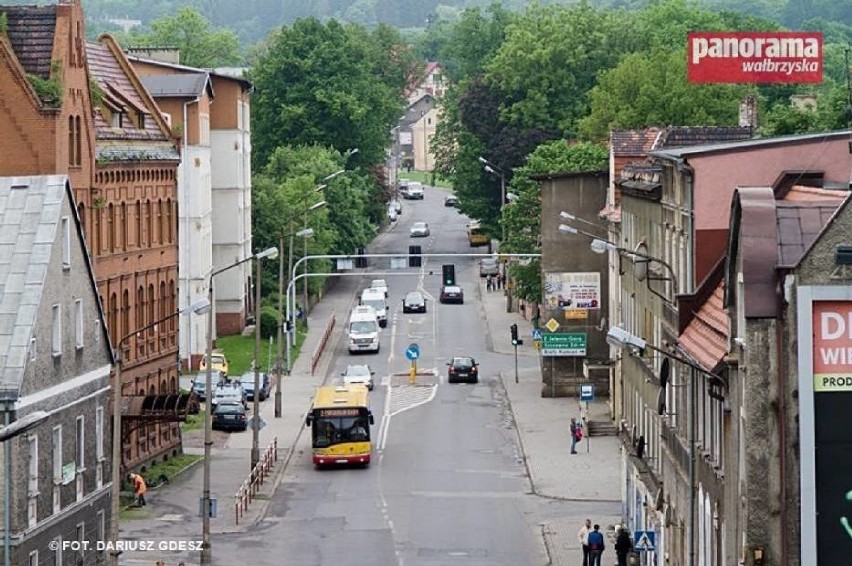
{"x": 754, "y": 57}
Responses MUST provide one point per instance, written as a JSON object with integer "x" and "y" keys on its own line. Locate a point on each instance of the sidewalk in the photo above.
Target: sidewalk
{"x": 593, "y": 475}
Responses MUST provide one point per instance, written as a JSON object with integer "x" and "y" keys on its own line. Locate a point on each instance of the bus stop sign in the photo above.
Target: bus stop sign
{"x": 412, "y": 352}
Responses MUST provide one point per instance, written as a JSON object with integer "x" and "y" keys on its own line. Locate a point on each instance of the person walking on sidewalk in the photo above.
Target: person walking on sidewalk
{"x": 623, "y": 545}
{"x": 583, "y": 536}
{"x": 596, "y": 546}
{"x": 489, "y": 283}
{"x": 139, "y": 488}
{"x": 576, "y": 434}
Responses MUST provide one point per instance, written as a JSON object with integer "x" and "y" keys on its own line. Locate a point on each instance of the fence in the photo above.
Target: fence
{"x": 315, "y": 357}
{"x": 248, "y": 490}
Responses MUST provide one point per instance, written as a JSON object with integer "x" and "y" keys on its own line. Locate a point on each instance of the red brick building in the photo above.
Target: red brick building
{"x": 79, "y": 109}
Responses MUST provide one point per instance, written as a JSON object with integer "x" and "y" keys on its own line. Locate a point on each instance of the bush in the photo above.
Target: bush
{"x": 268, "y": 322}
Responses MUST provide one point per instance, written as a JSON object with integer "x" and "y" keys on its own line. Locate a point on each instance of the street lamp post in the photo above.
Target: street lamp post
{"x": 255, "y": 398}
{"x": 206, "y": 551}
{"x": 200, "y": 306}
{"x": 281, "y": 280}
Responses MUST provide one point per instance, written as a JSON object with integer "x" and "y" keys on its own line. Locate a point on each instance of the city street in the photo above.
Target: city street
{"x": 461, "y": 473}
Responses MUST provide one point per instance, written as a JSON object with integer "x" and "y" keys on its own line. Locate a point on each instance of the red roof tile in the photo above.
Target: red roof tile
{"x": 706, "y": 336}
{"x": 31, "y": 31}
{"x": 633, "y": 142}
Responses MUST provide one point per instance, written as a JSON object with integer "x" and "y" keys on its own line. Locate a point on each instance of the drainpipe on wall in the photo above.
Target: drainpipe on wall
{"x": 783, "y": 298}
{"x": 188, "y": 255}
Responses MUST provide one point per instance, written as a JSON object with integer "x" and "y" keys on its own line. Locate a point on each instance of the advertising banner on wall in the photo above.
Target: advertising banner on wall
{"x": 754, "y": 57}
{"x": 570, "y": 290}
{"x": 831, "y": 376}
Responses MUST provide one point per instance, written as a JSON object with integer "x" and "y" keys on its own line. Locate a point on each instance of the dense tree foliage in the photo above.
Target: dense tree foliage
{"x": 329, "y": 84}
{"x": 200, "y": 45}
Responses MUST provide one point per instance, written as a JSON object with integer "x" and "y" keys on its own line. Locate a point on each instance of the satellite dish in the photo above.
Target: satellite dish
{"x": 664, "y": 373}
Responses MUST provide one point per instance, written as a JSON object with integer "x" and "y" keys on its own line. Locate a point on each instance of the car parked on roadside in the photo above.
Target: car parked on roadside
{"x": 413, "y": 191}
{"x": 462, "y": 368}
{"x": 199, "y": 384}
{"x": 219, "y": 363}
{"x": 360, "y": 374}
{"x": 452, "y": 294}
{"x": 451, "y": 200}
{"x": 419, "y": 230}
{"x": 414, "y": 301}
{"x": 229, "y": 416}
{"x": 247, "y": 383}
{"x": 229, "y": 392}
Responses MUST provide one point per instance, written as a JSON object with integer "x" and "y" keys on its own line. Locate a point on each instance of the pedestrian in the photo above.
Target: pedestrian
{"x": 583, "y": 536}
{"x": 623, "y": 545}
{"x": 596, "y": 546}
{"x": 489, "y": 283}
{"x": 498, "y": 281}
{"x": 139, "y": 488}
{"x": 576, "y": 434}
{"x": 503, "y": 280}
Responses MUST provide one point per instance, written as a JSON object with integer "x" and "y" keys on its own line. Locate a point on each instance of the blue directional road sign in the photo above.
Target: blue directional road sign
{"x": 412, "y": 352}
{"x": 536, "y": 334}
{"x": 644, "y": 541}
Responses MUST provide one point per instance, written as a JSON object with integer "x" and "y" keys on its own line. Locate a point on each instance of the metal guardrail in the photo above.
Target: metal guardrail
{"x": 248, "y": 490}
{"x": 315, "y": 357}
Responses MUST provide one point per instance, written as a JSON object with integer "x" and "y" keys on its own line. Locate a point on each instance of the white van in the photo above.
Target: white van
{"x": 363, "y": 330}
{"x": 376, "y": 298}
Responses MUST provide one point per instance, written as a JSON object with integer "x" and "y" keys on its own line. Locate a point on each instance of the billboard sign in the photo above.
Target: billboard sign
{"x": 569, "y": 290}
{"x": 825, "y": 380}
{"x": 754, "y": 57}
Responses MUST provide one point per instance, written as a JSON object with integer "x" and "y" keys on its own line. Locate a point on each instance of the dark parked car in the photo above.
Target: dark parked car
{"x": 452, "y": 294}
{"x": 451, "y": 200}
{"x": 463, "y": 369}
{"x": 229, "y": 416}
{"x": 247, "y": 382}
{"x": 199, "y": 384}
{"x": 414, "y": 302}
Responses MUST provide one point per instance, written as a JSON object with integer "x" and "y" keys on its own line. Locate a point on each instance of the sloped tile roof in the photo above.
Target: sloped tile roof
{"x": 30, "y": 209}
{"x": 673, "y": 153}
{"x": 706, "y": 336}
{"x": 31, "y": 31}
{"x": 633, "y": 142}
{"x": 105, "y": 69}
{"x": 682, "y": 136}
{"x": 800, "y": 220}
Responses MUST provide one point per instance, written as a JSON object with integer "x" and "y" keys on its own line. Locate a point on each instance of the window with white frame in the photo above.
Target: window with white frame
{"x": 99, "y": 433}
{"x": 56, "y": 332}
{"x": 81, "y": 444}
{"x": 32, "y": 481}
{"x": 33, "y": 561}
{"x": 33, "y": 349}
{"x": 78, "y": 323}
{"x": 66, "y": 243}
{"x": 740, "y": 306}
{"x": 57, "y": 552}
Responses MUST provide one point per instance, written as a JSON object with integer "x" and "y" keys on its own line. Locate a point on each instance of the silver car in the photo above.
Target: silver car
{"x": 361, "y": 374}
{"x": 419, "y": 230}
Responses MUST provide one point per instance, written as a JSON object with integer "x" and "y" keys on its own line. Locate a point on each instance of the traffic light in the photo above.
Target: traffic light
{"x": 449, "y": 274}
{"x": 414, "y": 259}
{"x": 514, "y": 330}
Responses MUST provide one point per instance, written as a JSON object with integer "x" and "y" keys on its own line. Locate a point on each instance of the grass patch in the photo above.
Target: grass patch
{"x": 425, "y": 177}
{"x": 240, "y": 351}
{"x": 193, "y": 422}
{"x": 170, "y": 468}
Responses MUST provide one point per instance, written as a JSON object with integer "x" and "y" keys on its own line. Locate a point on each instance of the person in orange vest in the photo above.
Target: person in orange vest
{"x": 139, "y": 488}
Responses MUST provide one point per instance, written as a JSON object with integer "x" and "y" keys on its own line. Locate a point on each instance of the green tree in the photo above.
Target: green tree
{"x": 321, "y": 83}
{"x": 522, "y": 218}
{"x": 471, "y": 43}
{"x": 550, "y": 59}
{"x": 200, "y": 45}
{"x": 650, "y": 89}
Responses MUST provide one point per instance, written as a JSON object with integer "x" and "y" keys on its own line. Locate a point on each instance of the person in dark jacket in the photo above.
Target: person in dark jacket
{"x": 596, "y": 546}
{"x": 623, "y": 545}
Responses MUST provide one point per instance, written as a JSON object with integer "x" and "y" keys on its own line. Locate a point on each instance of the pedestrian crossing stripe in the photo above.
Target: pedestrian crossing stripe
{"x": 644, "y": 541}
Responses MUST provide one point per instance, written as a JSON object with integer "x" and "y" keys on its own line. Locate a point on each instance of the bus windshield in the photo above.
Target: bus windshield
{"x": 334, "y": 430}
